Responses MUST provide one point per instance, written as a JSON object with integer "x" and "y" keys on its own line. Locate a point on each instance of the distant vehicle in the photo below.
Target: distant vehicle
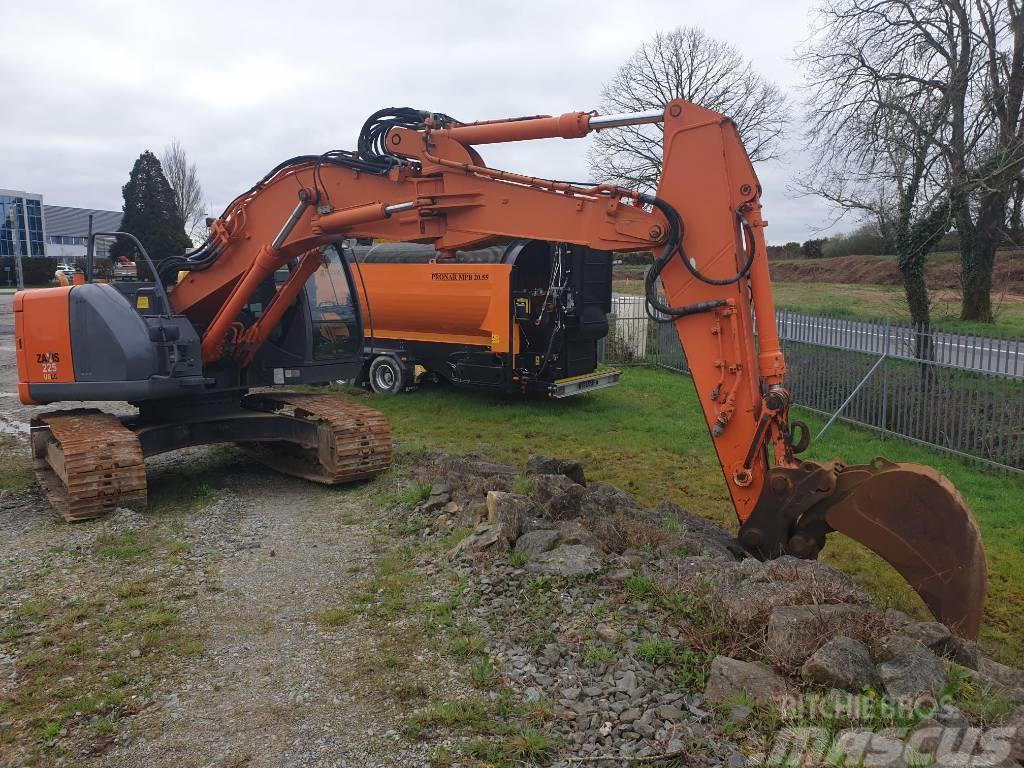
{"x": 67, "y": 269}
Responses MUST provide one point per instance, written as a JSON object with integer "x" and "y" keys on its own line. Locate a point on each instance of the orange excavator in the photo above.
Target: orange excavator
{"x": 270, "y": 299}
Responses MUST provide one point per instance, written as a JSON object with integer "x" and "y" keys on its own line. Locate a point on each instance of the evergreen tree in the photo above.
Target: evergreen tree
{"x": 150, "y": 213}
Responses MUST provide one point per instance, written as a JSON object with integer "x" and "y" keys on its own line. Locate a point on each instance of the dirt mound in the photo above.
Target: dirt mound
{"x": 881, "y": 270}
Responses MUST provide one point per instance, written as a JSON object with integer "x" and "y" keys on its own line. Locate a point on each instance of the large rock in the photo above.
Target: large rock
{"x": 546, "y": 487}
{"x": 939, "y": 733}
{"x": 567, "y": 560}
{"x": 533, "y": 543}
{"x": 510, "y": 511}
{"x": 574, "y": 532}
{"x": 1015, "y": 721}
{"x": 1005, "y": 681}
{"x": 934, "y": 635}
{"x": 485, "y": 537}
{"x": 909, "y": 670}
{"x": 545, "y": 465}
{"x": 841, "y": 663}
{"x": 566, "y": 504}
{"x": 797, "y": 631}
{"x": 732, "y": 678}
{"x": 871, "y": 750}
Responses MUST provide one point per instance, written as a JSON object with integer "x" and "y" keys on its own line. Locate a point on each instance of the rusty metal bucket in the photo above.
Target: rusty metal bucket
{"x": 915, "y": 519}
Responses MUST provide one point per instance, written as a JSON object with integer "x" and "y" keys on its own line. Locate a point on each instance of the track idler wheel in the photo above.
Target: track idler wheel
{"x": 908, "y": 514}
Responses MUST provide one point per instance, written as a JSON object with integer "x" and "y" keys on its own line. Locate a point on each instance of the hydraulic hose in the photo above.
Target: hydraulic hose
{"x": 674, "y": 244}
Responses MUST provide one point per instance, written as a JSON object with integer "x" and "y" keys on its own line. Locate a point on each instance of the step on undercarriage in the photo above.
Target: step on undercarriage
{"x": 89, "y": 462}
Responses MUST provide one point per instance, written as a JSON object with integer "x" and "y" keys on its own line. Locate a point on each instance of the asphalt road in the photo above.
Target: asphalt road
{"x": 976, "y": 353}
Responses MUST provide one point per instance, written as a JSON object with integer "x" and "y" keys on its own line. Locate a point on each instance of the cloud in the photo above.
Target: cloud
{"x": 88, "y": 86}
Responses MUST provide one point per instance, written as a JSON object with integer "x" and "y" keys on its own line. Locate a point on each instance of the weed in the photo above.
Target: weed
{"x": 463, "y": 647}
{"x": 517, "y": 559}
{"x": 483, "y": 675}
{"x": 49, "y": 731}
{"x": 656, "y": 651}
{"x": 523, "y": 485}
{"x": 597, "y": 655}
{"x": 638, "y": 585}
{"x": 123, "y": 547}
{"x": 976, "y": 700}
{"x": 334, "y": 617}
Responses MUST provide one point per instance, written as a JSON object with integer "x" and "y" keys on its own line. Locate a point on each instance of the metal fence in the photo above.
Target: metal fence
{"x": 966, "y": 397}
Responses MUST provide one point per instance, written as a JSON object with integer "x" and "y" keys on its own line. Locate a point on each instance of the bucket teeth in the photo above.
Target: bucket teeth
{"x": 354, "y": 439}
{"x": 88, "y": 463}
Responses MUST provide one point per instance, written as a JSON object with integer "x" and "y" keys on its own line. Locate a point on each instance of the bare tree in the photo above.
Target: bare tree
{"x": 684, "y": 64}
{"x": 188, "y": 192}
{"x": 945, "y": 79}
{"x": 983, "y": 185}
{"x": 879, "y": 105}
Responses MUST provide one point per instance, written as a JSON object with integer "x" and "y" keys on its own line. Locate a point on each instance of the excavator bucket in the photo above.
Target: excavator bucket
{"x": 916, "y": 520}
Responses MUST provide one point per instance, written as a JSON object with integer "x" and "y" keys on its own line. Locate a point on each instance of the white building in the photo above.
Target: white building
{"x": 30, "y": 228}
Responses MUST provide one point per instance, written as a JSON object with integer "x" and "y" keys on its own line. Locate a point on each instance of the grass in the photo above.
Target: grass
{"x": 15, "y": 465}
{"x": 887, "y": 302}
{"x": 867, "y": 302}
{"x": 647, "y": 436}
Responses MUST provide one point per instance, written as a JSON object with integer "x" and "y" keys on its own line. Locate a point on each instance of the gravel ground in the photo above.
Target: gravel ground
{"x": 243, "y": 562}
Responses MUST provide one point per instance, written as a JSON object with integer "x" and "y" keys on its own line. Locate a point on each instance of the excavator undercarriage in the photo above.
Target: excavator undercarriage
{"x": 89, "y": 462}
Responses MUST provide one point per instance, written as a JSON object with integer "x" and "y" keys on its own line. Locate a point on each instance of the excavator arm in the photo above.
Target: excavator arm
{"x": 418, "y": 177}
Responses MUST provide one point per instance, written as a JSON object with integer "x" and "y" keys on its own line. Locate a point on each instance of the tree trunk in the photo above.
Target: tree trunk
{"x": 978, "y": 257}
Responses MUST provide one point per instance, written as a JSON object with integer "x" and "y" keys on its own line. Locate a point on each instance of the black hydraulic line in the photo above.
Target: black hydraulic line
{"x": 674, "y": 245}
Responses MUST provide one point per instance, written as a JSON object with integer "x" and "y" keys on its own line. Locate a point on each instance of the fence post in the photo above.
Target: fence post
{"x": 885, "y": 374}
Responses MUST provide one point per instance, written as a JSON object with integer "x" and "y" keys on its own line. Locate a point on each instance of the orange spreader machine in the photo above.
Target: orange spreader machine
{"x": 525, "y": 317}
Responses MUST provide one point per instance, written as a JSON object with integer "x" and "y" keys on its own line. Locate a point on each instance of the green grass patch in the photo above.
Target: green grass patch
{"x": 648, "y": 436}
{"x": 16, "y": 473}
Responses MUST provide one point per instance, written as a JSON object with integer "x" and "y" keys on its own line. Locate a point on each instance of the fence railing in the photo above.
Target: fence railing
{"x": 965, "y": 396}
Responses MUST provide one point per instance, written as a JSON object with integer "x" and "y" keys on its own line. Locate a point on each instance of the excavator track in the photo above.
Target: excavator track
{"x": 354, "y": 440}
{"x": 88, "y": 463}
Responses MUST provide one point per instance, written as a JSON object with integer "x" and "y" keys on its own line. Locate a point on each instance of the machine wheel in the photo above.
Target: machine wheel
{"x": 386, "y": 376}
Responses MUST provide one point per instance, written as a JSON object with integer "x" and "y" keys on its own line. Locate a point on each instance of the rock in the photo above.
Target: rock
{"x": 1015, "y": 720}
{"x": 533, "y": 543}
{"x": 841, "y": 663}
{"x": 1003, "y": 680}
{"x": 670, "y": 712}
{"x": 546, "y": 487}
{"x": 737, "y": 760}
{"x": 627, "y": 682}
{"x": 943, "y": 729}
{"x": 484, "y": 537}
{"x": 566, "y": 504}
{"x": 797, "y": 631}
{"x": 509, "y": 510}
{"x": 932, "y": 634}
{"x": 871, "y": 750}
{"x": 440, "y": 489}
{"x": 574, "y": 532}
{"x": 910, "y": 670}
{"x": 566, "y": 560}
{"x": 964, "y": 652}
{"x": 602, "y": 498}
{"x": 729, "y": 678}
{"x": 544, "y": 465}
{"x": 608, "y": 634}
{"x": 739, "y": 714}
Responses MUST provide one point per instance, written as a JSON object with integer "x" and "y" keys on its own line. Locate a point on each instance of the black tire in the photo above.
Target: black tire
{"x": 386, "y": 376}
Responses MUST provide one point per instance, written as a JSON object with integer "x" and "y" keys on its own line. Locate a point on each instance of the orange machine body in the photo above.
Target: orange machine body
{"x": 44, "y": 350}
{"x": 438, "y": 303}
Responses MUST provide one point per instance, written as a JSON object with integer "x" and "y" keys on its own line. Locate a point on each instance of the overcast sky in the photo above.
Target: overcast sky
{"x": 88, "y": 86}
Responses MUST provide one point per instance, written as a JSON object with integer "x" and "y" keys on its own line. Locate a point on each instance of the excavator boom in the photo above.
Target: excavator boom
{"x": 418, "y": 177}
